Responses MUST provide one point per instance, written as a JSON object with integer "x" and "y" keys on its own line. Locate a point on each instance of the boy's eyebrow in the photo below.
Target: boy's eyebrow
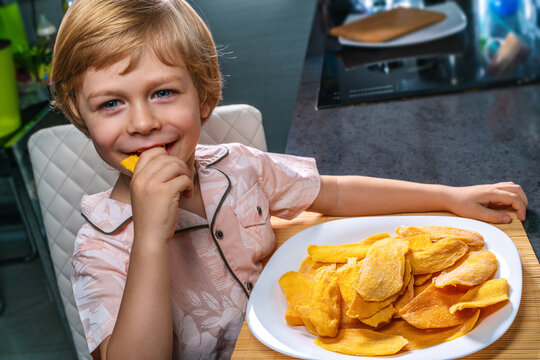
{"x": 165, "y": 80}
{"x": 152, "y": 83}
{"x": 104, "y": 93}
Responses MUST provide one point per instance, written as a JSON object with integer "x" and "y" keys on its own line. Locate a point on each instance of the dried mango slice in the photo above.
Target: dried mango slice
{"x": 362, "y": 309}
{"x": 422, "y": 338}
{"x": 347, "y": 322}
{"x": 309, "y": 266}
{"x": 431, "y": 309}
{"x": 362, "y": 342}
{"x": 292, "y": 318}
{"x": 438, "y": 256}
{"x": 297, "y": 287}
{"x": 381, "y": 317}
{"x": 418, "y": 239}
{"x": 489, "y": 293}
{"x": 340, "y": 253}
{"x": 325, "y": 301}
{"x": 407, "y": 276}
{"x": 130, "y": 162}
{"x": 303, "y": 313}
{"x": 421, "y": 279}
{"x": 347, "y": 276}
{"x": 466, "y": 327}
{"x": 381, "y": 272}
{"x": 405, "y": 298}
{"x": 418, "y": 289}
{"x": 471, "y": 238}
{"x": 475, "y": 268}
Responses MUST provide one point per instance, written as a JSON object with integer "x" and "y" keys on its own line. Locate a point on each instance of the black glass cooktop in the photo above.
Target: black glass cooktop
{"x": 494, "y": 49}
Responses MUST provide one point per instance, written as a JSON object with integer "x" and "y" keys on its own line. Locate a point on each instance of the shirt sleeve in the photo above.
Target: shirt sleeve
{"x": 99, "y": 270}
{"x": 291, "y": 183}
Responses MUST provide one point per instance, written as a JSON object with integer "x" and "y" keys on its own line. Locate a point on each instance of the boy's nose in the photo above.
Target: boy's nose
{"x": 142, "y": 120}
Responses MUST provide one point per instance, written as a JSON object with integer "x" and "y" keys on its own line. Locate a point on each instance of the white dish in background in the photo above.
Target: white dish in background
{"x": 267, "y": 303}
{"x": 454, "y": 22}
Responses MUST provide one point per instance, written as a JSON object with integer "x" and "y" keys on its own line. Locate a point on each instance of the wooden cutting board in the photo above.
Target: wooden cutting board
{"x": 387, "y": 25}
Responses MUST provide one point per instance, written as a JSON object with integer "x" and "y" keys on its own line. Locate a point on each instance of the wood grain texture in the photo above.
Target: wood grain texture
{"x": 519, "y": 342}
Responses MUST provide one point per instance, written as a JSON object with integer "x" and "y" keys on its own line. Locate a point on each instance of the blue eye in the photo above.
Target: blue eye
{"x": 110, "y": 104}
{"x": 162, "y": 93}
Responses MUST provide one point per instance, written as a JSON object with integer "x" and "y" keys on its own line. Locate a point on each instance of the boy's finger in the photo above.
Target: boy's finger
{"x": 520, "y": 209}
{"x": 493, "y": 216}
{"x": 510, "y": 200}
{"x": 164, "y": 167}
{"x": 515, "y": 189}
{"x": 184, "y": 185}
{"x": 146, "y": 156}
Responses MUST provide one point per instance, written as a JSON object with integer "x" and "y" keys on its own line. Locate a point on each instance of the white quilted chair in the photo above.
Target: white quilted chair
{"x": 66, "y": 166}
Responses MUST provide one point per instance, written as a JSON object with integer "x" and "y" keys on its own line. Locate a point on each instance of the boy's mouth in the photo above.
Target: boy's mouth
{"x": 139, "y": 152}
{"x": 130, "y": 162}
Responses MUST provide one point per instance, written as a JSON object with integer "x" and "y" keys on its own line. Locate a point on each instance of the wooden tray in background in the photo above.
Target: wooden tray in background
{"x": 387, "y": 25}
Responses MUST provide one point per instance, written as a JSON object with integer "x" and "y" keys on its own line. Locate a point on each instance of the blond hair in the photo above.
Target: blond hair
{"x": 98, "y": 33}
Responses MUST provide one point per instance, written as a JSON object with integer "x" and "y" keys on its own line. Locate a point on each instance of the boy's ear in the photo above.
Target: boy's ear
{"x": 204, "y": 110}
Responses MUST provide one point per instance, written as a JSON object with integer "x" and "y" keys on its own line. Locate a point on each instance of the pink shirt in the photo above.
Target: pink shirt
{"x": 215, "y": 261}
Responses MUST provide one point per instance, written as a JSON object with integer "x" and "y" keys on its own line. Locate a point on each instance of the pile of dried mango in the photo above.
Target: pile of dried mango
{"x": 385, "y": 294}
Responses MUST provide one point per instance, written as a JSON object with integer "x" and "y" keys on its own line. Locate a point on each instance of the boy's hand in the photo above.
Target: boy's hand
{"x": 157, "y": 183}
{"x": 481, "y": 201}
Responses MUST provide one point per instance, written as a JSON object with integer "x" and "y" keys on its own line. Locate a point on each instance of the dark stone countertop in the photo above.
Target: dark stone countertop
{"x": 458, "y": 139}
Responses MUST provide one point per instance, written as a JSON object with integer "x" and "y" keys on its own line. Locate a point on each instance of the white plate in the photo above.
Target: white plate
{"x": 267, "y": 304}
{"x": 454, "y": 22}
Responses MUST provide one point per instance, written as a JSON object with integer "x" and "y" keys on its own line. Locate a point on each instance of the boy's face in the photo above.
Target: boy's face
{"x": 151, "y": 105}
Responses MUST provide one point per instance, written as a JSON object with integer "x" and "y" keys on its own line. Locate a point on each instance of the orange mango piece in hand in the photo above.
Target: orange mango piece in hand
{"x": 130, "y": 162}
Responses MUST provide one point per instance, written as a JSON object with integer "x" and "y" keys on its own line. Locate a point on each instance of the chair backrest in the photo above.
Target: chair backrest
{"x": 66, "y": 166}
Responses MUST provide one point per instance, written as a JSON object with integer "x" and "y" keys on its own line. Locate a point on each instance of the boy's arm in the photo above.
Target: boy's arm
{"x": 361, "y": 195}
{"x": 143, "y": 329}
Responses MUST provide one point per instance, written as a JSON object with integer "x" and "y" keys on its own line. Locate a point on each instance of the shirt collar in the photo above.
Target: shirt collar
{"x": 207, "y": 155}
{"x": 110, "y": 216}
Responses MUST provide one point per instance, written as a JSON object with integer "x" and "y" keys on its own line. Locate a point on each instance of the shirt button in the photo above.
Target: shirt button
{"x": 249, "y": 286}
{"x": 219, "y": 234}
{"x": 259, "y": 210}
